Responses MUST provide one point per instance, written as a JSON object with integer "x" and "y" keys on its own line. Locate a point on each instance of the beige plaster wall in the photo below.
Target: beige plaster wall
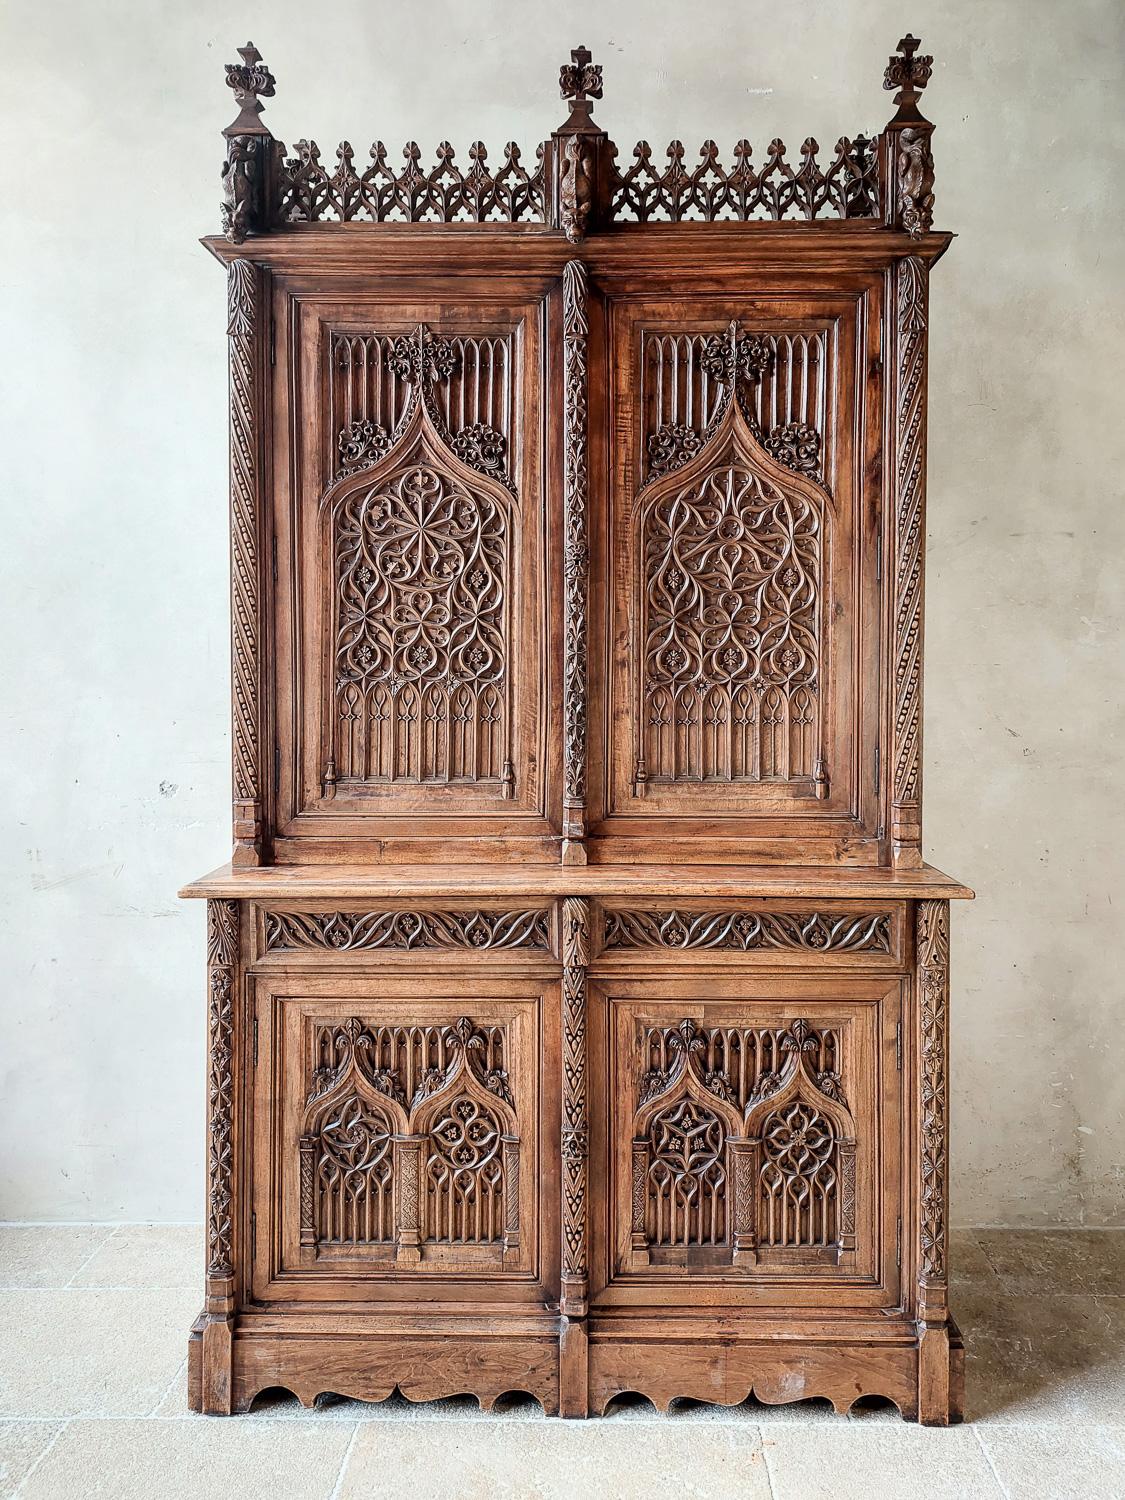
{"x": 112, "y": 450}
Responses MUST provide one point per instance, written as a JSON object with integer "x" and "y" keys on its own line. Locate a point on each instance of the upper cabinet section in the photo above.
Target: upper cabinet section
{"x": 577, "y": 498}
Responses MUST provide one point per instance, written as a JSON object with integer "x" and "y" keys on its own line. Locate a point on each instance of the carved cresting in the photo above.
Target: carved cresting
{"x": 244, "y": 288}
{"x": 222, "y": 975}
{"x": 575, "y": 1124}
{"x": 909, "y": 548}
{"x": 932, "y": 934}
{"x": 576, "y": 560}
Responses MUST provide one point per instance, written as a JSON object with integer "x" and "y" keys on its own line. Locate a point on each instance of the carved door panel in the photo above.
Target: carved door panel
{"x": 412, "y": 597}
{"x": 402, "y": 1122}
{"x": 752, "y": 1140}
{"x": 739, "y": 555}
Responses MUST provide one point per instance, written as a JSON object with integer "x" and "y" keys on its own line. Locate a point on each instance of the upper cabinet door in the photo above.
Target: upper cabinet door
{"x": 738, "y": 580}
{"x": 412, "y": 596}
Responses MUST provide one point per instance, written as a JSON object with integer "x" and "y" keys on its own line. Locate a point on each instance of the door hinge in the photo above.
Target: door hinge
{"x": 877, "y": 768}
{"x": 898, "y": 1044}
{"x": 273, "y": 342}
{"x": 255, "y": 1041}
{"x": 898, "y": 1244}
{"x": 878, "y": 560}
{"x": 253, "y": 1235}
{"x": 273, "y": 549}
{"x": 276, "y": 765}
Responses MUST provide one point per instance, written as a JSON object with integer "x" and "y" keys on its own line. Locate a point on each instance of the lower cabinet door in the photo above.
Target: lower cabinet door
{"x": 750, "y": 1140}
{"x": 397, "y": 1136}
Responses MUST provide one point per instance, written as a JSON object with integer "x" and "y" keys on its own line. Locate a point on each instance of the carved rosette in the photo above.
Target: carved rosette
{"x": 222, "y": 968}
{"x": 932, "y": 938}
{"x": 909, "y": 546}
{"x": 244, "y": 287}
{"x": 575, "y": 1122}
{"x": 576, "y": 559}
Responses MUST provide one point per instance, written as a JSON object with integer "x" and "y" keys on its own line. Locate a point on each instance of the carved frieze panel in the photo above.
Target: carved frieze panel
{"x": 406, "y": 931}
{"x": 747, "y": 931}
{"x": 409, "y": 1138}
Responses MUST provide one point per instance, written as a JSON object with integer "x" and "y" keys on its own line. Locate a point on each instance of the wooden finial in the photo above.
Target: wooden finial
{"x": 909, "y": 74}
{"x": 580, "y": 81}
{"x": 249, "y": 79}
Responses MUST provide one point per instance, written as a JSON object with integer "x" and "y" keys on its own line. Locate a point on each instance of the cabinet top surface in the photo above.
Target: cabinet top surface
{"x": 360, "y": 882}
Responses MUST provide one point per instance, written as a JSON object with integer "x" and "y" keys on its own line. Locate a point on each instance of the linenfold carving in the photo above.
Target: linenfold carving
{"x": 409, "y": 1139}
{"x": 743, "y": 1144}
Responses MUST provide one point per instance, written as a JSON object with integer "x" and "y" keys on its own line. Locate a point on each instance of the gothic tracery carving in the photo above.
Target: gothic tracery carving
{"x": 746, "y": 931}
{"x": 348, "y": 931}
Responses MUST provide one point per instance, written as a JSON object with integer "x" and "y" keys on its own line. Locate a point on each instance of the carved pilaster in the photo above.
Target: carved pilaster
{"x": 910, "y": 295}
{"x": 222, "y": 975}
{"x": 932, "y": 938}
{"x": 847, "y": 1196}
{"x": 744, "y": 1177}
{"x": 907, "y": 162}
{"x": 576, "y": 560}
{"x": 245, "y": 313}
{"x": 511, "y": 1147}
{"x": 408, "y": 1169}
{"x": 575, "y": 1122}
{"x": 638, "y": 1235}
{"x": 308, "y": 1220}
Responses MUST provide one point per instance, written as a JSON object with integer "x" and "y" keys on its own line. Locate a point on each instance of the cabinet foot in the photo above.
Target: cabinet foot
{"x": 941, "y": 1373}
{"x": 574, "y": 1369}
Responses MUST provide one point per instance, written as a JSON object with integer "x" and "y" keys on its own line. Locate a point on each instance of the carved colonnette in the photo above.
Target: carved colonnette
{"x": 585, "y": 489}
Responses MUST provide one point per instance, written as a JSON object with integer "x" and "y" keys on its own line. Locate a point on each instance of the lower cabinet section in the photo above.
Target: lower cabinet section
{"x": 465, "y": 1149}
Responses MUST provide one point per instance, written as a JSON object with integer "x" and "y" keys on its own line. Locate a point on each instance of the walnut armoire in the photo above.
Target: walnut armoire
{"x": 578, "y": 993}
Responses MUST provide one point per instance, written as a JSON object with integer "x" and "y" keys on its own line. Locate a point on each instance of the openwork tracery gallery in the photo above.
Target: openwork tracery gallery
{"x": 577, "y": 989}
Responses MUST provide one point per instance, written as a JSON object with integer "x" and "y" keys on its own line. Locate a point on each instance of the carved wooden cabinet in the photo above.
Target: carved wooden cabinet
{"x": 578, "y": 992}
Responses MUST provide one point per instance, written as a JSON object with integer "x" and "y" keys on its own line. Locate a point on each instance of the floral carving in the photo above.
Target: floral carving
{"x": 932, "y": 941}
{"x": 576, "y": 555}
{"x": 347, "y": 931}
{"x": 796, "y": 445}
{"x": 422, "y": 356}
{"x": 575, "y": 1124}
{"x": 222, "y": 961}
{"x": 672, "y": 445}
{"x": 362, "y": 444}
{"x": 481, "y": 447}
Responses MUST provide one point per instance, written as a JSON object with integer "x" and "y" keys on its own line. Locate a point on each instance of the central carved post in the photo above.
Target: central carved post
{"x": 573, "y": 1303}
{"x": 576, "y": 561}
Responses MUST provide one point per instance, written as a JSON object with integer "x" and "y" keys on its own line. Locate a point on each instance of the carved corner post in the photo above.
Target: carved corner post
{"x": 245, "y": 320}
{"x": 579, "y": 154}
{"x": 573, "y": 1302}
{"x": 744, "y": 1156}
{"x": 249, "y": 172}
{"x": 907, "y": 164}
{"x": 910, "y": 291}
{"x": 939, "y": 1366}
{"x": 576, "y": 560}
{"x": 222, "y": 1030}
{"x": 408, "y": 1209}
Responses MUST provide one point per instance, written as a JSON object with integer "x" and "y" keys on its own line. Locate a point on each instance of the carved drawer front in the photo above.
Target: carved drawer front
{"x": 403, "y": 1124}
{"x": 413, "y": 598}
{"x": 737, "y": 607}
{"x": 751, "y": 1139}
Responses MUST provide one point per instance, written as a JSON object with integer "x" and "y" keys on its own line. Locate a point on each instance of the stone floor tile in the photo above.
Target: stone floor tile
{"x": 91, "y": 1353}
{"x": 497, "y": 1460}
{"x": 1063, "y": 1260}
{"x": 1047, "y": 1360}
{"x": 1062, "y": 1463}
{"x": 878, "y": 1463}
{"x": 147, "y": 1256}
{"x": 46, "y": 1255}
{"x": 189, "y": 1461}
{"x": 21, "y": 1445}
